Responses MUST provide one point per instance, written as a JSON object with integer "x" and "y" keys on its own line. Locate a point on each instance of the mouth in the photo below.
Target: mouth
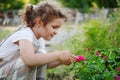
{"x": 50, "y": 37}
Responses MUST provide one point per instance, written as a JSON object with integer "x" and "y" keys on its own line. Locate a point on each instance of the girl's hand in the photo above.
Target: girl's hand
{"x": 67, "y": 63}
{"x": 67, "y": 57}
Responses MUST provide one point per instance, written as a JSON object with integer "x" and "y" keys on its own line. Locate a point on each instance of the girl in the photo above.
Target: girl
{"x": 23, "y": 55}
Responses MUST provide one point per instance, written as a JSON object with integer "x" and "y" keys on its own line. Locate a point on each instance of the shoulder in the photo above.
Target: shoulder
{"x": 25, "y": 33}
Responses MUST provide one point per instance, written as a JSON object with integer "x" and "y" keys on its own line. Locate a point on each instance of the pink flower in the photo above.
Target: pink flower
{"x": 80, "y": 58}
{"x": 118, "y": 69}
{"x": 98, "y": 53}
{"x": 117, "y": 77}
{"x": 104, "y": 57}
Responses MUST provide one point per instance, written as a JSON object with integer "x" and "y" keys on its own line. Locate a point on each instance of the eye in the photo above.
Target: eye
{"x": 55, "y": 27}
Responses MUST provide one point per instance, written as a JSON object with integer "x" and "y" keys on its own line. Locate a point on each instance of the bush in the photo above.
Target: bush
{"x": 101, "y": 47}
{"x": 100, "y": 64}
{"x": 96, "y": 33}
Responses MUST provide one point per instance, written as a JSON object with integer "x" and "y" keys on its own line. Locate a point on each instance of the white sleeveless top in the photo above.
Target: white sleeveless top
{"x": 8, "y": 48}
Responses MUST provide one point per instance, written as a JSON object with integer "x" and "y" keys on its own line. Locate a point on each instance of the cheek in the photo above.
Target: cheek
{"x": 49, "y": 30}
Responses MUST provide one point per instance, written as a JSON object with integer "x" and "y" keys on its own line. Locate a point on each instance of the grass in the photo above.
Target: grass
{"x": 5, "y": 31}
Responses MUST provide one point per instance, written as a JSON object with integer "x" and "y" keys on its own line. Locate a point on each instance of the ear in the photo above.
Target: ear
{"x": 38, "y": 21}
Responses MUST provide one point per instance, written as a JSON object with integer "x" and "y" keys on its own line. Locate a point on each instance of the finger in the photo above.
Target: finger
{"x": 73, "y": 56}
{"x": 68, "y": 63}
{"x": 72, "y": 59}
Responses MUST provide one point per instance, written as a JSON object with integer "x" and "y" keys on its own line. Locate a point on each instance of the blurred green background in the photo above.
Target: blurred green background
{"x": 94, "y": 27}
{"x": 83, "y": 5}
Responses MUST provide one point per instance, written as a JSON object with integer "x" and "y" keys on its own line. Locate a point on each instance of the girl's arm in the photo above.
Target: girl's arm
{"x": 32, "y": 59}
{"x": 57, "y": 63}
{"x": 54, "y": 64}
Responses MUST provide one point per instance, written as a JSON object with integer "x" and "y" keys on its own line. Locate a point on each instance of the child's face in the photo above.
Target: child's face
{"x": 50, "y": 30}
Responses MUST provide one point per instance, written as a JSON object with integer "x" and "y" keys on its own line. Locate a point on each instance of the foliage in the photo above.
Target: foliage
{"x": 118, "y": 1}
{"x": 100, "y": 47}
{"x": 4, "y": 33}
{"x": 103, "y": 33}
{"x": 104, "y": 66}
{"x": 79, "y": 4}
{"x": 98, "y": 34}
{"x": 35, "y": 1}
{"x": 87, "y": 4}
{"x": 10, "y": 4}
{"x": 58, "y": 73}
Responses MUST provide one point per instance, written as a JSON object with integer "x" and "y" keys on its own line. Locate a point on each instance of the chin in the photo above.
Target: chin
{"x": 48, "y": 39}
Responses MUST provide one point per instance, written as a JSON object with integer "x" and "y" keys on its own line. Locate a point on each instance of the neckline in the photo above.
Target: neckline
{"x": 32, "y": 33}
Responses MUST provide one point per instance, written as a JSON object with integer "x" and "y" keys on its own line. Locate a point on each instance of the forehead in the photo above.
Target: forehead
{"x": 57, "y": 22}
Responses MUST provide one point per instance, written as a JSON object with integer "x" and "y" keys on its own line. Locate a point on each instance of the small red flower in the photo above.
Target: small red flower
{"x": 104, "y": 57}
{"x": 80, "y": 58}
{"x": 98, "y": 53}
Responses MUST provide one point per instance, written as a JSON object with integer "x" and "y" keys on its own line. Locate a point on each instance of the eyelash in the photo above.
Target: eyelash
{"x": 54, "y": 27}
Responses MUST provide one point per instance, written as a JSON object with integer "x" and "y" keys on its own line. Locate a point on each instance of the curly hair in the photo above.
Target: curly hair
{"x": 45, "y": 10}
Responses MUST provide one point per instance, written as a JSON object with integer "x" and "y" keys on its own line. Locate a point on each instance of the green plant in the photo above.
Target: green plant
{"x": 4, "y": 33}
{"x": 101, "y": 49}
{"x": 102, "y": 66}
